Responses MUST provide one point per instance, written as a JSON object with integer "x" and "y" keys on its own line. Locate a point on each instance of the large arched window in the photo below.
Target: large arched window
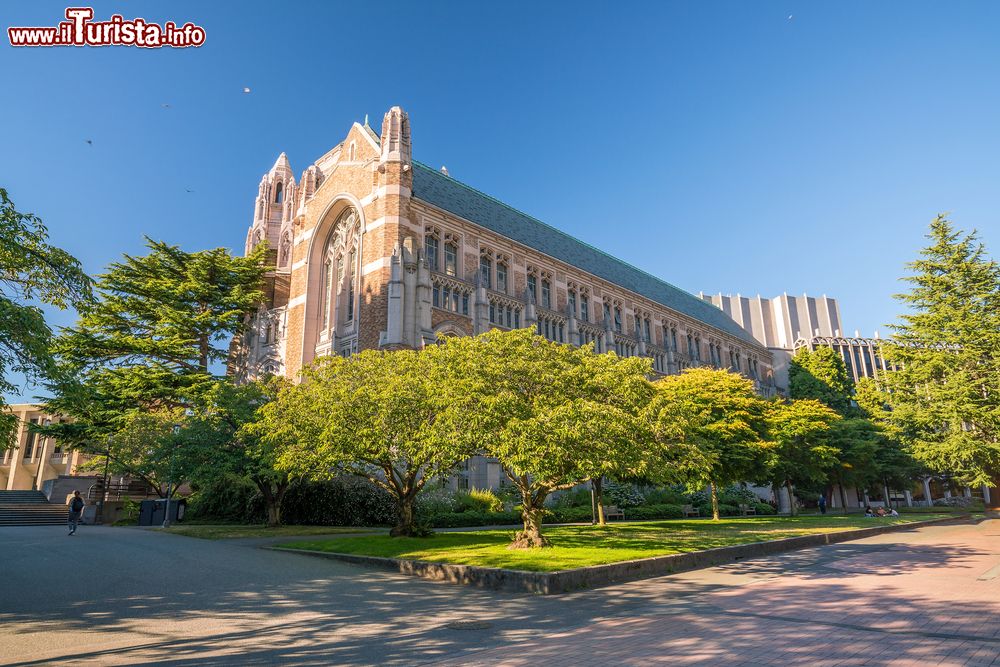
{"x": 340, "y": 275}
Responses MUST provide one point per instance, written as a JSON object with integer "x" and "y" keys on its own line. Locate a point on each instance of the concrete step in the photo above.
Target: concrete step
{"x": 30, "y": 508}
{"x": 21, "y": 497}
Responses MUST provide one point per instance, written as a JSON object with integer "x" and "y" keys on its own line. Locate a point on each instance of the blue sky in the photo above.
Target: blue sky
{"x": 719, "y": 145}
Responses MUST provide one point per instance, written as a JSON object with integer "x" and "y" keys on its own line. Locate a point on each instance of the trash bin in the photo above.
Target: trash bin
{"x": 151, "y": 511}
{"x": 89, "y": 517}
{"x": 146, "y": 513}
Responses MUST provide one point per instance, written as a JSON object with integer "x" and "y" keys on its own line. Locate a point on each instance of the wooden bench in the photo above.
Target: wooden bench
{"x": 690, "y": 510}
{"x": 612, "y": 512}
{"x": 747, "y": 510}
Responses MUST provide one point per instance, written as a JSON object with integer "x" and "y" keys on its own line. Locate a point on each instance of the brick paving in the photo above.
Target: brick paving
{"x": 928, "y": 599}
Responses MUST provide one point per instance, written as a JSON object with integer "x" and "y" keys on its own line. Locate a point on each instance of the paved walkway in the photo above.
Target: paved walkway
{"x": 115, "y": 596}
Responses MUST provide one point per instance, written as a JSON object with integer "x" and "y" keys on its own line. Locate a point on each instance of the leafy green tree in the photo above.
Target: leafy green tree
{"x": 945, "y": 393}
{"x": 222, "y": 439}
{"x": 32, "y": 272}
{"x": 554, "y": 415}
{"x": 149, "y": 342}
{"x": 820, "y": 374}
{"x": 719, "y": 415}
{"x": 800, "y": 452}
{"x": 144, "y": 447}
{"x": 858, "y": 440}
{"x": 389, "y": 417}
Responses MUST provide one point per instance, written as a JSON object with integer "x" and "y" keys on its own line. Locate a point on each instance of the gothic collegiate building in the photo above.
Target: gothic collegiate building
{"x": 375, "y": 250}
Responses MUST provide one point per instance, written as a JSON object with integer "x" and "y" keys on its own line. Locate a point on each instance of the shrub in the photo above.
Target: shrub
{"x": 725, "y": 509}
{"x": 434, "y": 501}
{"x": 621, "y": 495}
{"x": 477, "y": 500}
{"x": 657, "y": 511}
{"x": 342, "y": 501}
{"x": 130, "y": 513}
{"x": 764, "y": 508}
{"x": 226, "y": 499}
{"x": 569, "y": 514}
{"x": 572, "y": 498}
{"x": 957, "y": 501}
{"x": 664, "y": 496}
{"x": 738, "y": 495}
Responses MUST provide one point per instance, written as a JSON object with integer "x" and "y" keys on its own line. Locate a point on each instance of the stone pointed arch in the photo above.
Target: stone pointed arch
{"x": 314, "y": 265}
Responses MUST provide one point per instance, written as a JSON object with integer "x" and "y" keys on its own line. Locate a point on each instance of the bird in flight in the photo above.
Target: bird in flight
{"x": 246, "y": 90}
{"x": 791, "y": 16}
{"x": 165, "y": 106}
{"x": 188, "y": 190}
{"x": 90, "y": 142}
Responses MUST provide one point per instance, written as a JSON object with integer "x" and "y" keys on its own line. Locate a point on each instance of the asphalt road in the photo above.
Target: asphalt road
{"x": 126, "y": 596}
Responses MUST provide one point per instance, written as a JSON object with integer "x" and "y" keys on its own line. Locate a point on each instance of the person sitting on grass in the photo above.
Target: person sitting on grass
{"x": 880, "y": 512}
{"x": 869, "y": 514}
{"x": 893, "y": 512}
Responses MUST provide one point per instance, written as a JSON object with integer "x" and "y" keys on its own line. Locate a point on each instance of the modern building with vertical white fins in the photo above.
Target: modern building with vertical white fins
{"x": 778, "y": 322}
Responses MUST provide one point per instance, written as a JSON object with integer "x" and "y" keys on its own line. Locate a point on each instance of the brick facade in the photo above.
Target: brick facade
{"x": 486, "y": 257}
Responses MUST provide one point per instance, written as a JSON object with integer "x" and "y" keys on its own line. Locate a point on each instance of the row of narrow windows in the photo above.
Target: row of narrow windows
{"x": 495, "y": 275}
{"x": 505, "y": 316}
{"x": 448, "y": 298}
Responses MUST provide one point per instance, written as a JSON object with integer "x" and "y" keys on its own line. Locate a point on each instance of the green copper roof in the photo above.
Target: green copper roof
{"x": 444, "y": 192}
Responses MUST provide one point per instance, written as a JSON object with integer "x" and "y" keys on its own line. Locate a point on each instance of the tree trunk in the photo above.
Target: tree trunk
{"x": 273, "y": 495}
{"x": 843, "y": 494}
{"x": 791, "y": 498}
{"x": 598, "y": 484}
{"x": 404, "y": 514}
{"x": 531, "y": 537}
{"x": 715, "y": 501}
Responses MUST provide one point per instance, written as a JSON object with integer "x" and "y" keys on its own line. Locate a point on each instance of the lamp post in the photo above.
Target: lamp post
{"x": 104, "y": 482}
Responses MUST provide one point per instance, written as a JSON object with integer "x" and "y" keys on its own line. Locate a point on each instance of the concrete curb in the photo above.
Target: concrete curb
{"x": 594, "y": 576}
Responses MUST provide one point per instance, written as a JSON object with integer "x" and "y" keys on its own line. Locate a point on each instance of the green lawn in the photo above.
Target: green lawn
{"x": 579, "y": 546}
{"x": 225, "y": 532}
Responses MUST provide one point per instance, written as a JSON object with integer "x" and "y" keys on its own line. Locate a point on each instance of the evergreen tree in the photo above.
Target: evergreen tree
{"x": 31, "y": 272}
{"x": 150, "y": 342}
{"x": 945, "y": 395}
{"x": 820, "y": 374}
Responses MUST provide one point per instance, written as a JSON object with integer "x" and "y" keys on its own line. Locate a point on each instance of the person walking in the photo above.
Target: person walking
{"x": 822, "y": 503}
{"x": 75, "y": 510}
